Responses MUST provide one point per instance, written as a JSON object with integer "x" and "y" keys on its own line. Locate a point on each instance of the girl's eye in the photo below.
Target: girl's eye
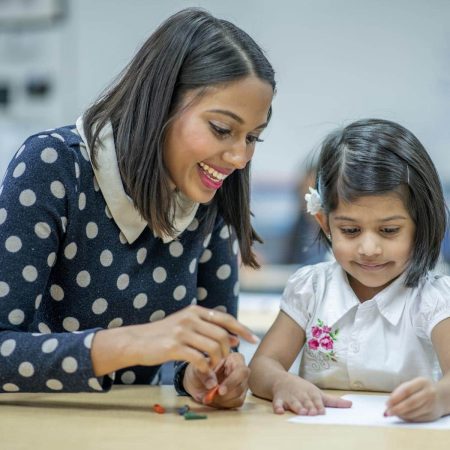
{"x": 219, "y": 131}
{"x": 253, "y": 139}
{"x": 350, "y": 231}
{"x": 390, "y": 230}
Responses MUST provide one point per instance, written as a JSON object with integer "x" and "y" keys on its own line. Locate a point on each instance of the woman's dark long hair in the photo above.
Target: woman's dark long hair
{"x": 190, "y": 50}
{"x": 376, "y": 157}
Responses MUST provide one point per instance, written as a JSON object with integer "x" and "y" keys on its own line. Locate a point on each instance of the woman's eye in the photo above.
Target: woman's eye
{"x": 219, "y": 131}
{"x": 350, "y": 231}
{"x": 253, "y": 139}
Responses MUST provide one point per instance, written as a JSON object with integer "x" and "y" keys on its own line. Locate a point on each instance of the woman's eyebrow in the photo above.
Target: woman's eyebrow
{"x": 234, "y": 116}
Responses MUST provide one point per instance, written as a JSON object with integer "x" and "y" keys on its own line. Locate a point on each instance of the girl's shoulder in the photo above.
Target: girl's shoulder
{"x": 314, "y": 274}
{"x": 432, "y": 302}
{"x": 310, "y": 282}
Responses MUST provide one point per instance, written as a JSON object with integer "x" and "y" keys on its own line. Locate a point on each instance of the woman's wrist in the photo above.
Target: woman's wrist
{"x": 112, "y": 350}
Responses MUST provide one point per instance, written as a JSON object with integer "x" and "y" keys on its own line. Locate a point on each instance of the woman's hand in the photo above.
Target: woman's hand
{"x": 201, "y": 336}
{"x": 292, "y": 393}
{"x": 231, "y": 377}
{"x": 417, "y": 400}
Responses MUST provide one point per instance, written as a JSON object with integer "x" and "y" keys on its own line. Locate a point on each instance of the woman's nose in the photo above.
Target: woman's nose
{"x": 238, "y": 155}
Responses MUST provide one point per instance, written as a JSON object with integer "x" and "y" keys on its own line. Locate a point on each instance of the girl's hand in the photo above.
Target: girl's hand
{"x": 415, "y": 401}
{"x": 291, "y": 393}
{"x": 231, "y": 377}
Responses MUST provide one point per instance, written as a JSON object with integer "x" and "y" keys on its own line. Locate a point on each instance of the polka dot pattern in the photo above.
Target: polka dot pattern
{"x": 58, "y": 189}
{"x": 159, "y": 275}
{"x": 30, "y": 273}
{"x": 26, "y": 369}
{"x": 140, "y": 300}
{"x": 4, "y": 289}
{"x": 99, "y": 306}
{"x": 27, "y": 197}
{"x": 16, "y": 317}
{"x": 7, "y": 347}
{"x": 19, "y": 170}
{"x": 3, "y": 215}
{"x": 13, "y": 244}
{"x": 42, "y": 230}
{"x": 69, "y": 364}
{"x": 106, "y": 258}
{"x": 49, "y": 155}
{"x": 91, "y": 230}
{"x": 74, "y": 270}
{"x": 179, "y": 293}
{"x": 49, "y": 345}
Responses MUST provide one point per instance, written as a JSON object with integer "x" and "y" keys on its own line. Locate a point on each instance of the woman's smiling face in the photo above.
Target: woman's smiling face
{"x": 215, "y": 135}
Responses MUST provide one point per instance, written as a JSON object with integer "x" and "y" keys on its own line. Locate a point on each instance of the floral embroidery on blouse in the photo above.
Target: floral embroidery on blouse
{"x": 322, "y": 340}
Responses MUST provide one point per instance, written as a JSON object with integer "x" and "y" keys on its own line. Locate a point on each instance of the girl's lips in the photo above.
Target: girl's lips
{"x": 372, "y": 266}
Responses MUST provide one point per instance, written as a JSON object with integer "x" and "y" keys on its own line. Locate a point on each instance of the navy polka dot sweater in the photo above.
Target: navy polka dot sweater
{"x": 67, "y": 271}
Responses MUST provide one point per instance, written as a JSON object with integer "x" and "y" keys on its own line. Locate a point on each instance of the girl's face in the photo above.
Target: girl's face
{"x": 216, "y": 135}
{"x": 372, "y": 239}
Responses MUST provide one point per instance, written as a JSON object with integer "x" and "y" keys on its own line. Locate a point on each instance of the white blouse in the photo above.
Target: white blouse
{"x": 375, "y": 345}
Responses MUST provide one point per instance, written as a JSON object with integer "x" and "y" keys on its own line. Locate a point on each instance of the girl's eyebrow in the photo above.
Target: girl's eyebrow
{"x": 234, "y": 116}
{"x": 385, "y": 219}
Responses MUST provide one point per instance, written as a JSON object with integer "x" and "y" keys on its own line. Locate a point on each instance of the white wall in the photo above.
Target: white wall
{"x": 336, "y": 61}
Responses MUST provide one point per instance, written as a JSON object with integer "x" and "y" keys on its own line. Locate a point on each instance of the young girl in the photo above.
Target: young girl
{"x": 376, "y": 319}
{"x": 111, "y": 230}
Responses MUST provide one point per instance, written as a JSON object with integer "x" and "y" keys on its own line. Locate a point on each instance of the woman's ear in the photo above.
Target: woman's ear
{"x": 322, "y": 220}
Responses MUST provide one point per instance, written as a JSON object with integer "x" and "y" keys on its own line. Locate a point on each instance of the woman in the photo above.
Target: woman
{"x": 114, "y": 229}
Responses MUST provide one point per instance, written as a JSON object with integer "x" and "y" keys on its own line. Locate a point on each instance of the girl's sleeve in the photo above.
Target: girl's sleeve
{"x": 217, "y": 277}
{"x": 434, "y": 305}
{"x": 298, "y": 297}
{"x": 37, "y": 198}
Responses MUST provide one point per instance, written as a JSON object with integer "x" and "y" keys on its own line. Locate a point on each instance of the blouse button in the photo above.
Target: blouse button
{"x": 354, "y": 346}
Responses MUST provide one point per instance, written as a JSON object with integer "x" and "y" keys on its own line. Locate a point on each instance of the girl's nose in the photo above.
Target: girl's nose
{"x": 369, "y": 246}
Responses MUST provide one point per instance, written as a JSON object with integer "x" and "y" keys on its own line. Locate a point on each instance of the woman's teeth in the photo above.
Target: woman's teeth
{"x": 212, "y": 173}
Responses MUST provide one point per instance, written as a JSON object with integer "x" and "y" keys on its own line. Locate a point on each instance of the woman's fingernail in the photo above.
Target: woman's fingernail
{"x": 222, "y": 390}
{"x": 210, "y": 383}
{"x": 256, "y": 339}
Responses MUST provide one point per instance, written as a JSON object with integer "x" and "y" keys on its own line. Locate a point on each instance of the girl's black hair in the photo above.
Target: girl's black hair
{"x": 190, "y": 50}
{"x": 376, "y": 157}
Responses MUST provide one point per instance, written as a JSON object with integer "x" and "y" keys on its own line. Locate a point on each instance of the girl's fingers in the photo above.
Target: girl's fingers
{"x": 404, "y": 391}
{"x": 407, "y": 406}
{"x": 336, "y": 402}
{"x": 278, "y": 406}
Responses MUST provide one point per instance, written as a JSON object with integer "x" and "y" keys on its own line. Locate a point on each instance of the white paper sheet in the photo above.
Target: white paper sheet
{"x": 367, "y": 410}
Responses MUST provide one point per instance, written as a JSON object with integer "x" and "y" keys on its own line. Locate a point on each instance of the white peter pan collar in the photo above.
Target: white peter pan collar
{"x": 390, "y": 301}
{"x": 121, "y": 206}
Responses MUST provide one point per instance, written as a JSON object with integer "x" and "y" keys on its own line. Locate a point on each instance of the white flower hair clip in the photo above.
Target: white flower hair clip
{"x": 313, "y": 201}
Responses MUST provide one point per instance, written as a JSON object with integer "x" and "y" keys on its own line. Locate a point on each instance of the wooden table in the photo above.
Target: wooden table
{"x": 124, "y": 419}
